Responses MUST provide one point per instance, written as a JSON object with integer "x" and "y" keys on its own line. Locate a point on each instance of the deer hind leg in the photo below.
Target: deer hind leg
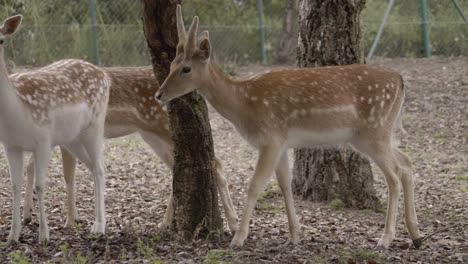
{"x": 284, "y": 177}
{"x": 92, "y": 140}
{"x": 69, "y": 166}
{"x": 41, "y": 163}
{"x": 223, "y": 190}
{"x": 381, "y": 152}
{"x": 164, "y": 152}
{"x": 406, "y": 175}
{"x": 28, "y": 196}
{"x": 88, "y": 150}
{"x": 15, "y": 163}
{"x": 267, "y": 159}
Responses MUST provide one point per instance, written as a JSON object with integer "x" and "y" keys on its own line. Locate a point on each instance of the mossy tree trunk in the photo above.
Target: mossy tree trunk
{"x": 330, "y": 34}
{"x": 196, "y": 210}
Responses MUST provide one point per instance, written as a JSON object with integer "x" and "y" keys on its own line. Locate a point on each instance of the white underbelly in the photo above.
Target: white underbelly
{"x": 304, "y": 138}
{"x": 68, "y": 123}
{"x": 115, "y": 131}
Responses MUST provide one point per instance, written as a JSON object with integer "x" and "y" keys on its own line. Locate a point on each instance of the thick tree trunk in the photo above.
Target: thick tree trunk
{"x": 196, "y": 210}
{"x": 330, "y": 34}
{"x": 288, "y": 38}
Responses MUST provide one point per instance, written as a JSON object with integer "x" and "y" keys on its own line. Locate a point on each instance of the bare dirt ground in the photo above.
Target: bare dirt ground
{"x": 138, "y": 184}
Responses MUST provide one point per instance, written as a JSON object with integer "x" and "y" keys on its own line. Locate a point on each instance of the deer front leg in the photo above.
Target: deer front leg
{"x": 267, "y": 159}
{"x": 28, "y": 196}
{"x": 15, "y": 163}
{"x": 69, "y": 166}
{"x": 223, "y": 190}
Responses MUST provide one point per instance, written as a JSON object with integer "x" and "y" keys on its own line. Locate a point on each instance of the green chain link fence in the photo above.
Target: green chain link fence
{"x": 57, "y": 29}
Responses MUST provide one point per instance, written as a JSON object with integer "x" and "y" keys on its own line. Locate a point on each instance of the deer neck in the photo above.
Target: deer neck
{"x": 222, "y": 92}
{"x": 10, "y": 104}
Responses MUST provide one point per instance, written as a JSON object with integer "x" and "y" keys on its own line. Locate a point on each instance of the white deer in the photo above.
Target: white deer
{"x": 132, "y": 109}
{"x": 61, "y": 104}
{"x": 291, "y": 108}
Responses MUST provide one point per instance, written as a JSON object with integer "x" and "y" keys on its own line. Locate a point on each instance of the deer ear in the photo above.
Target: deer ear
{"x": 11, "y": 25}
{"x": 203, "y": 35}
{"x": 205, "y": 48}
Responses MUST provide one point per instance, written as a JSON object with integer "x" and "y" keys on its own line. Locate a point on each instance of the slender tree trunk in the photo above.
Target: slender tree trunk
{"x": 288, "y": 38}
{"x": 196, "y": 210}
{"x": 330, "y": 34}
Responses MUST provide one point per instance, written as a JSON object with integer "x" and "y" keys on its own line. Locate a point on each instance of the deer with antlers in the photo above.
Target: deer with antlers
{"x": 62, "y": 104}
{"x": 132, "y": 109}
{"x": 289, "y": 108}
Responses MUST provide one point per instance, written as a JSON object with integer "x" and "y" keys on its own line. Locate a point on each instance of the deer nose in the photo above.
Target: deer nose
{"x": 158, "y": 96}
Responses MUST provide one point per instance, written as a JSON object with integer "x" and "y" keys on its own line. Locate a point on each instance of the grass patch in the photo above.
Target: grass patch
{"x": 70, "y": 258}
{"x": 215, "y": 256}
{"x": 441, "y": 137}
{"x": 321, "y": 260}
{"x": 336, "y": 204}
{"x": 18, "y": 257}
{"x": 462, "y": 178}
{"x": 146, "y": 252}
{"x": 463, "y": 188}
{"x": 367, "y": 211}
{"x": 270, "y": 208}
{"x": 268, "y": 194}
{"x": 215, "y": 234}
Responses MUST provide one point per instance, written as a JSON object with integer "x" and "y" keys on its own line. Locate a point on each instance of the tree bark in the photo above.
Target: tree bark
{"x": 330, "y": 34}
{"x": 196, "y": 210}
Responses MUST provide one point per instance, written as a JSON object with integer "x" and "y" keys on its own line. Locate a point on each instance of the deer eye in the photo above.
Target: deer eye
{"x": 186, "y": 69}
{"x": 1, "y": 41}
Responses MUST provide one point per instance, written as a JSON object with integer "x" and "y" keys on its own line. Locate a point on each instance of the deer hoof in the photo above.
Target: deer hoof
{"x": 417, "y": 243}
{"x": 380, "y": 249}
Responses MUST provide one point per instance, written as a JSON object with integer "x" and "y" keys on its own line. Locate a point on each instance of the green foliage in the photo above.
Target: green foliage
{"x": 79, "y": 259}
{"x": 215, "y": 234}
{"x": 336, "y": 204}
{"x": 57, "y": 29}
{"x": 462, "y": 177}
{"x": 144, "y": 251}
{"x": 123, "y": 254}
{"x": 441, "y": 137}
{"x": 18, "y": 257}
{"x": 215, "y": 256}
{"x": 321, "y": 260}
{"x": 268, "y": 194}
{"x": 65, "y": 250}
{"x": 402, "y": 36}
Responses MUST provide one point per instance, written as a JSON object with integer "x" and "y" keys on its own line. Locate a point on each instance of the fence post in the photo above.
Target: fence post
{"x": 381, "y": 28}
{"x": 460, "y": 11}
{"x": 261, "y": 18}
{"x": 97, "y": 59}
{"x": 425, "y": 28}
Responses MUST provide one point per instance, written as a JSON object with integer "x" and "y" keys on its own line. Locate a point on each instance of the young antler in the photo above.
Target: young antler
{"x": 62, "y": 104}
{"x": 290, "y": 108}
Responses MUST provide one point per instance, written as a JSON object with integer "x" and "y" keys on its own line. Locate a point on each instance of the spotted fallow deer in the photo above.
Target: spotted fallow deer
{"x": 132, "y": 109}
{"x": 290, "y": 108}
{"x": 62, "y": 104}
